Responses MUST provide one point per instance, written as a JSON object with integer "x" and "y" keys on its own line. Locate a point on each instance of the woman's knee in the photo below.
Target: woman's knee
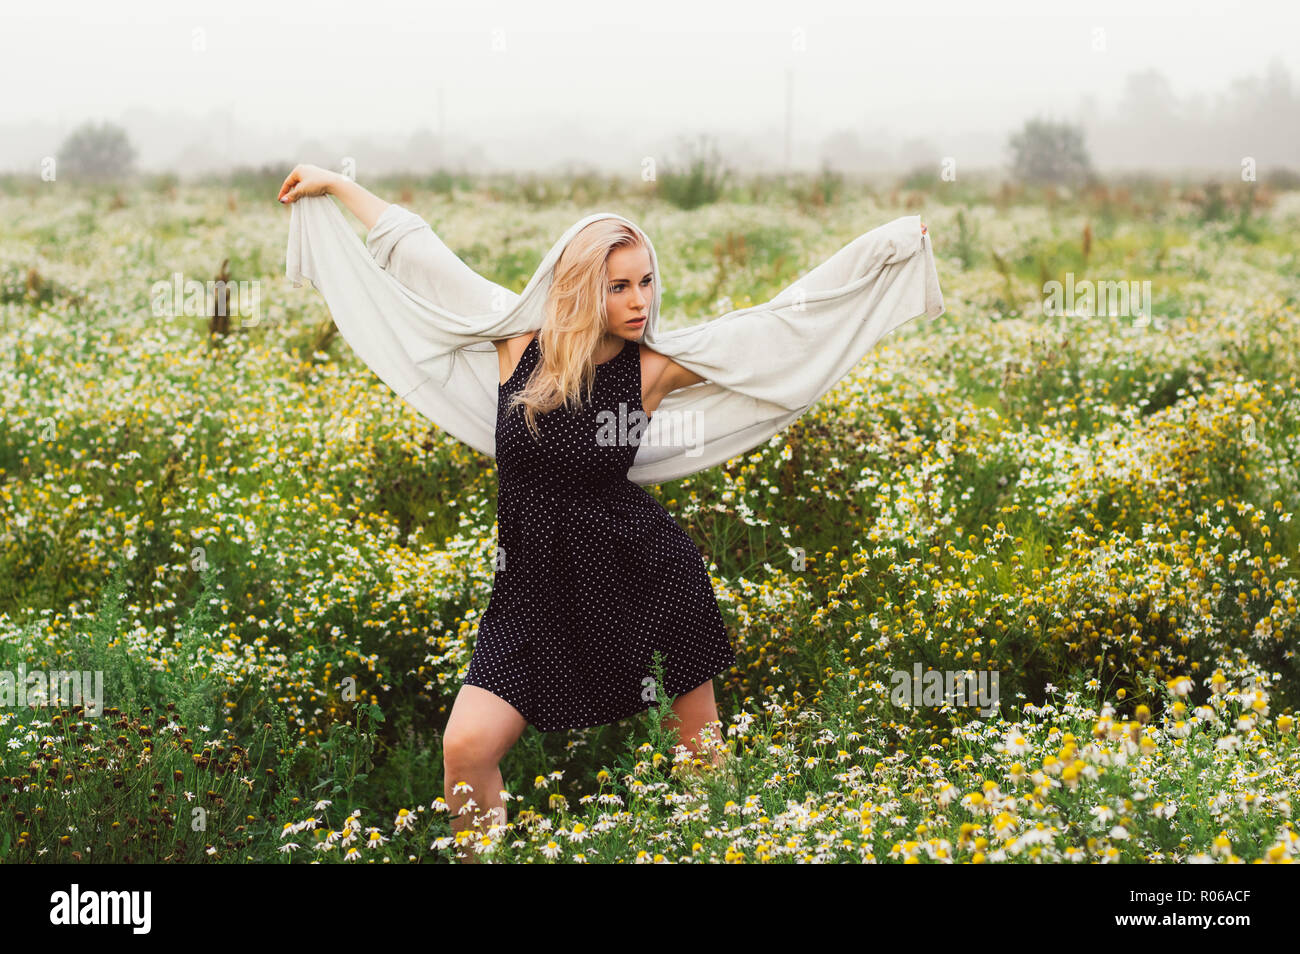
{"x": 480, "y": 731}
{"x": 469, "y": 749}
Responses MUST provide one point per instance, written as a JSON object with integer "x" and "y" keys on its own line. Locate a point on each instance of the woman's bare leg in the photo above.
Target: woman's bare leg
{"x": 480, "y": 731}
{"x": 697, "y": 709}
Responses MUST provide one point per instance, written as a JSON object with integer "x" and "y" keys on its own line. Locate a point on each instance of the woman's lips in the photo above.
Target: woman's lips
{"x": 637, "y": 321}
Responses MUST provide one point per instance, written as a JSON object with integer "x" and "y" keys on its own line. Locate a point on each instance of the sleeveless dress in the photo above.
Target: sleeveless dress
{"x": 592, "y": 574}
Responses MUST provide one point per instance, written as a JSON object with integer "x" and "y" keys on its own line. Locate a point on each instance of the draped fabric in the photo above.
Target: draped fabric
{"x": 424, "y": 322}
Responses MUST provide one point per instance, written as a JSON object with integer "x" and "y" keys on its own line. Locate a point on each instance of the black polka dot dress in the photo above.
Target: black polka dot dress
{"x": 592, "y": 574}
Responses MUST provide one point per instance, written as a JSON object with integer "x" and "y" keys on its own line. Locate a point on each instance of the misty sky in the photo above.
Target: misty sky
{"x": 527, "y": 84}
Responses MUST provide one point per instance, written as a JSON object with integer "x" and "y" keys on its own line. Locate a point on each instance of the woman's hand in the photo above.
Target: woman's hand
{"x": 307, "y": 179}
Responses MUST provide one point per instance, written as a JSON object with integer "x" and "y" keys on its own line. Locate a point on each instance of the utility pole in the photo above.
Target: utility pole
{"x": 789, "y": 112}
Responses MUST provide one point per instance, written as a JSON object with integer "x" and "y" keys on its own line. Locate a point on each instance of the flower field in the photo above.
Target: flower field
{"x": 279, "y": 567}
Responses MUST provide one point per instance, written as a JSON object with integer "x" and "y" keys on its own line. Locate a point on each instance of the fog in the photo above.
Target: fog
{"x": 517, "y": 86}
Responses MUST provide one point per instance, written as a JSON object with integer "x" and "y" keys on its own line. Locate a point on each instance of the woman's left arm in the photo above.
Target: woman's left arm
{"x": 666, "y": 375}
{"x": 663, "y": 375}
{"x": 674, "y": 376}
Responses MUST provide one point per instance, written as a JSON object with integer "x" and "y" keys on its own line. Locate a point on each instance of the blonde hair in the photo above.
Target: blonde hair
{"x": 574, "y": 321}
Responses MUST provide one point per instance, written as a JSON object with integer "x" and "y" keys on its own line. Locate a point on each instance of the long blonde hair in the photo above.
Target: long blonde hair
{"x": 574, "y": 321}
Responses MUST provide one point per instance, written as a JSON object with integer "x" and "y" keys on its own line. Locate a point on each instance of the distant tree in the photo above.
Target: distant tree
{"x": 1044, "y": 152}
{"x": 96, "y": 153}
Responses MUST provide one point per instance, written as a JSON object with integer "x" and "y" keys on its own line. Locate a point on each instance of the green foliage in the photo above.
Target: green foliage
{"x": 123, "y": 787}
{"x": 103, "y": 649}
{"x": 965, "y": 247}
{"x": 822, "y": 190}
{"x": 696, "y": 180}
{"x": 190, "y": 682}
{"x": 920, "y": 178}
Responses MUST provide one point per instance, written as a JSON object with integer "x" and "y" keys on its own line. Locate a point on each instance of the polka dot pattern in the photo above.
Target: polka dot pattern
{"x": 592, "y": 574}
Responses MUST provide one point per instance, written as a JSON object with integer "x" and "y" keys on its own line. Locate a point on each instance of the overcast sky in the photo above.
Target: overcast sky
{"x": 532, "y": 83}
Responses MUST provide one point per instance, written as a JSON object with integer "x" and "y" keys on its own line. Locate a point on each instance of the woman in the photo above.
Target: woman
{"x": 593, "y": 576}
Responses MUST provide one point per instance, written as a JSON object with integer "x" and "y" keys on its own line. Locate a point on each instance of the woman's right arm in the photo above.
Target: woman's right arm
{"x": 404, "y": 245}
{"x": 365, "y": 205}
{"x": 306, "y": 179}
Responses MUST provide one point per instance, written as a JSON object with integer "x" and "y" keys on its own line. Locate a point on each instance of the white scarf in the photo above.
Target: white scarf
{"x": 424, "y": 322}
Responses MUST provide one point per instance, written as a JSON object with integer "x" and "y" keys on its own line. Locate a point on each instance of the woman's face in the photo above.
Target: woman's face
{"x": 628, "y": 292}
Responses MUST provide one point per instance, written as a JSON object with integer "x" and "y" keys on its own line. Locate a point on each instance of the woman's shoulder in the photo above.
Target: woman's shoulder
{"x": 652, "y": 360}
